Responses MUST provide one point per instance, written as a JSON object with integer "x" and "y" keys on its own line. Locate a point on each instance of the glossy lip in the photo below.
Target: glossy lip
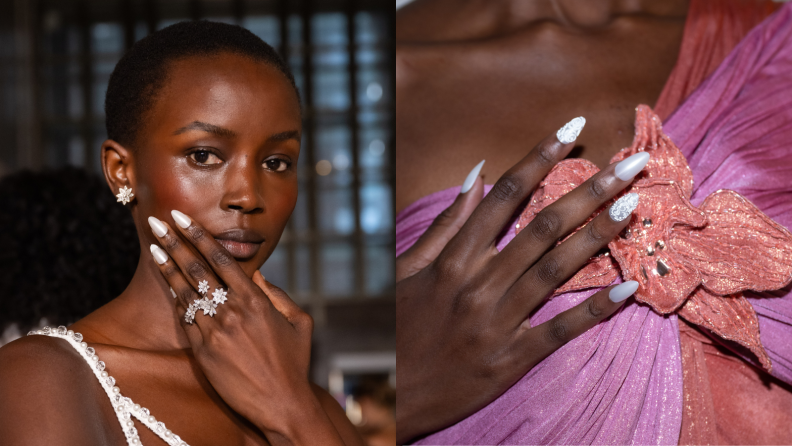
{"x": 242, "y": 244}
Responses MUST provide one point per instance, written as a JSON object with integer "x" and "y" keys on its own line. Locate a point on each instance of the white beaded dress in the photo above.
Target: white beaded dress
{"x": 125, "y": 408}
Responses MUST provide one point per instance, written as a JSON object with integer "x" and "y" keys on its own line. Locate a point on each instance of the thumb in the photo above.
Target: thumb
{"x": 280, "y": 300}
{"x": 443, "y": 228}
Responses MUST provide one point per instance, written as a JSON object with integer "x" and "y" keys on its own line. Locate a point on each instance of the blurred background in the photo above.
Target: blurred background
{"x": 66, "y": 246}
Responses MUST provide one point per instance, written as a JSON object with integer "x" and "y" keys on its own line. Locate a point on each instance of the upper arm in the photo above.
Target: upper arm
{"x": 337, "y": 416}
{"x": 48, "y": 396}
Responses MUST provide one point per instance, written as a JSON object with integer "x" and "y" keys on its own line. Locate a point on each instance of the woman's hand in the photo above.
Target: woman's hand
{"x": 255, "y": 351}
{"x": 463, "y": 329}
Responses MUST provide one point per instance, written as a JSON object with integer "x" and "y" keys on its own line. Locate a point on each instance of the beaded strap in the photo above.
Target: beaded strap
{"x": 125, "y": 408}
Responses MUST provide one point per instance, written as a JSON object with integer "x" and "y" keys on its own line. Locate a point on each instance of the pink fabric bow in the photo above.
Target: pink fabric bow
{"x": 695, "y": 262}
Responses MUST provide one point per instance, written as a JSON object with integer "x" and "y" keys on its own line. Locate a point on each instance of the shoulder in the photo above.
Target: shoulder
{"x": 48, "y": 394}
{"x": 337, "y": 416}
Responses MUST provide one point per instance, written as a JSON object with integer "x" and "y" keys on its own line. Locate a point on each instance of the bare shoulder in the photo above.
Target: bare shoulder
{"x": 49, "y": 395}
{"x": 342, "y": 424}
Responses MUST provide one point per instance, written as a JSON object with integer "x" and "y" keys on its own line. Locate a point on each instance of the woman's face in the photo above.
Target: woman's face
{"x": 221, "y": 144}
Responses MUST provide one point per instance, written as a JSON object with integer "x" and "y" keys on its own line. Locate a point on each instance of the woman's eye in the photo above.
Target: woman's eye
{"x": 205, "y": 157}
{"x": 278, "y": 165}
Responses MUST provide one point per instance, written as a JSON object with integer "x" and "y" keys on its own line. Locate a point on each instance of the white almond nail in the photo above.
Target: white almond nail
{"x": 157, "y": 226}
{"x": 630, "y": 167}
{"x": 159, "y": 254}
{"x": 181, "y": 219}
{"x": 570, "y": 131}
{"x": 471, "y": 178}
{"x": 623, "y": 207}
{"x": 623, "y": 291}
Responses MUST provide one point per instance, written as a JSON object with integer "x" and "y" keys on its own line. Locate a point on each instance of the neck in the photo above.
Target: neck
{"x": 144, "y": 316}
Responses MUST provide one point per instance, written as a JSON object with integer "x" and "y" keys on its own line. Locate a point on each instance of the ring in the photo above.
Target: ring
{"x": 209, "y": 306}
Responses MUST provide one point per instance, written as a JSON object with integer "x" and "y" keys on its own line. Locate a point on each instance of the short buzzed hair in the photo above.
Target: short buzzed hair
{"x": 142, "y": 71}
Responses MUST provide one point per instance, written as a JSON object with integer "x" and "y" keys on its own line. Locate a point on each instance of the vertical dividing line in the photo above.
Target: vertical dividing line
{"x": 354, "y": 128}
{"x": 86, "y": 81}
{"x": 318, "y": 310}
{"x": 391, "y": 147}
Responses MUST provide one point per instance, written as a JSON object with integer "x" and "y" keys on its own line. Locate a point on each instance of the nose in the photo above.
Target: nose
{"x": 243, "y": 188}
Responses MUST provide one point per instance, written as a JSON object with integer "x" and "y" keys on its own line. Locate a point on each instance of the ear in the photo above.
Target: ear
{"x": 117, "y": 166}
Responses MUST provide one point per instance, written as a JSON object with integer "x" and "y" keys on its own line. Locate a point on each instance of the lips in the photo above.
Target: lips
{"x": 242, "y": 244}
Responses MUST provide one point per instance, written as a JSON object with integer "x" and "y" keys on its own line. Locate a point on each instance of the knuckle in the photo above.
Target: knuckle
{"x": 598, "y": 189}
{"x": 546, "y": 154}
{"x": 197, "y": 270}
{"x": 595, "y": 234}
{"x": 549, "y": 271}
{"x": 221, "y": 257}
{"x": 196, "y": 233}
{"x": 448, "y": 269}
{"x": 170, "y": 270}
{"x": 558, "y": 330}
{"x": 187, "y": 295}
{"x": 545, "y": 226}
{"x": 508, "y": 188}
{"x": 593, "y": 309}
{"x": 171, "y": 242}
{"x": 464, "y": 302}
{"x": 445, "y": 217}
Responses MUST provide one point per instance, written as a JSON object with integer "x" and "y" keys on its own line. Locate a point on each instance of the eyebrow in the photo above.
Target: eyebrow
{"x": 208, "y": 128}
{"x": 227, "y": 133}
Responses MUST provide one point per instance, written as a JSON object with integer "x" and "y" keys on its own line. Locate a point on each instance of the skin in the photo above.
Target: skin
{"x": 485, "y": 79}
{"x": 240, "y": 377}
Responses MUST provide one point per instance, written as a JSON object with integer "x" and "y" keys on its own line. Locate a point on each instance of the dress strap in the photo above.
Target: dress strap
{"x": 125, "y": 408}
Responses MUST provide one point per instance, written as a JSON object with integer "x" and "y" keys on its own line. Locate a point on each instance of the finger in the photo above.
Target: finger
{"x": 282, "y": 302}
{"x": 194, "y": 268}
{"x": 220, "y": 260}
{"x": 563, "y": 216}
{"x": 443, "y": 228}
{"x": 184, "y": 293}
{"x": 495, "y": 210}
{"x": 567, "y": 259}
{"x": 548, "y": 337}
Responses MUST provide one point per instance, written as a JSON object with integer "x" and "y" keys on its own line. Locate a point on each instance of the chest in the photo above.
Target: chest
{"x": 175, "y": 392}
{"x": 495, "y": 99}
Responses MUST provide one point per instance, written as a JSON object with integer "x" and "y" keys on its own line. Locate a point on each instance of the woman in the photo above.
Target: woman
{"x": 204, "y": 132}
{"x": 505, "y": 369}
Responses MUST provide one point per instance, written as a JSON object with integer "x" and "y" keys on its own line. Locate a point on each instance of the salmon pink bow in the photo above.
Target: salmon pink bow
{"x": 692, "y": 261}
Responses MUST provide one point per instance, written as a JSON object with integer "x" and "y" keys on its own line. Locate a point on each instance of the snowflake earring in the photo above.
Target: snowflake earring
{"x": 125, "y": 195}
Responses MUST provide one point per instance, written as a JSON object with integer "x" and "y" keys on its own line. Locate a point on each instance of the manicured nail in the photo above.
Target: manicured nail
{"x": 471, "y": 178}
{"x": 630, "y": 167}
{"x": 181, "y": 219}
{"x": 570, "y": 131}
{"x": 159, "y": 255}
{"x": 158, "y": 227}
{"x": 173, "y": 293}
{"x": 623, "y": 207}
{"x": 623, "y": 291}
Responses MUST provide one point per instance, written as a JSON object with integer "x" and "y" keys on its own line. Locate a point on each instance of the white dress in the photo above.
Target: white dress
{"x": 125, "y": 408}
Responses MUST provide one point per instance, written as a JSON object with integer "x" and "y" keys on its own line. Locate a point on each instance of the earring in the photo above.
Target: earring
{"x": 125, "y": 195}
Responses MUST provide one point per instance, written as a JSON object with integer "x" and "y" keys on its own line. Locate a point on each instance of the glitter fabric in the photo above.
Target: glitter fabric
{"x": 679, "y": 254}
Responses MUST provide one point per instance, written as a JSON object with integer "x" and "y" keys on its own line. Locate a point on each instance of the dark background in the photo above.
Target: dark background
{"x": 336, "y": 256}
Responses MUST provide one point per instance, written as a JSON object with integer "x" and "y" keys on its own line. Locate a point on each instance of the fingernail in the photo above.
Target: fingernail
{"x": 471, "y": 178}
{"x": 181, "y": 219}
{"x": 159, "y": 255}
{"x": 622, "y": 291}
{"x": 157, "y": 226}
{"x": 173, "y": 293}
{"x": 630, "y": 167}
{"x": 570, "y": 131}
{"x": 623, "y": 207}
